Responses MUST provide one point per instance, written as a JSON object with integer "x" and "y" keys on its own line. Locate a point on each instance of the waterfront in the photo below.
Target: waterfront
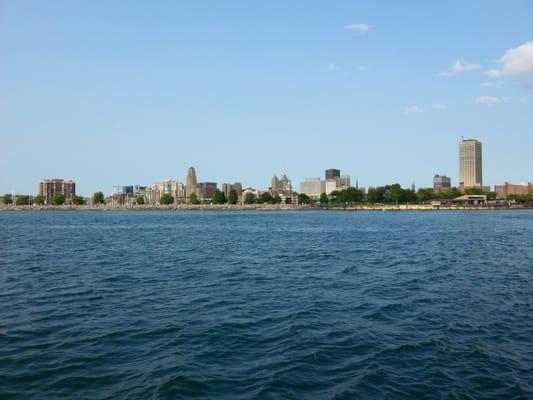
{"x": 266, "y": 305}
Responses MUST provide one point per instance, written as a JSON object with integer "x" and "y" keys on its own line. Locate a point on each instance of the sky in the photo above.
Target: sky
{"x": 115, "y": 93}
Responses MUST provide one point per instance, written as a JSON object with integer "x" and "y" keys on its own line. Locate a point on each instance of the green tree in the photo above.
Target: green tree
{"x": 492, "y": 195}
{"x": 22, "y": 200}
{"x": 376, "y": 195}
{"x": 78, "y": 200}
{"x": 139, "y": 200}
{"x": 166, "y": 199}
{"x": 277, "y": 199}
{"x": 474, "y": 191}
{"x": 303, "y": 198}
{"x": 288, "y": 200}
{"x": 233, "y": 197}
{"x": 266, "y": 197}
{"x": 396, "y": 193}
{"x": 324, "y": 199}
{"x": 98, "y": 198}
{"x": 7, "y": 199}
{"x": 424, "y": 195}
{"x": 249, "y": 198}
{"x": 58, "y": 199}
{"x": 219, "y": 197}
{"x": 39, "y": 200}
{"x": 193, "y": 198}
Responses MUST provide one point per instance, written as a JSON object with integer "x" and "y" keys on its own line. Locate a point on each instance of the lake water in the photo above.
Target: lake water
{"x": 239, "y": 305}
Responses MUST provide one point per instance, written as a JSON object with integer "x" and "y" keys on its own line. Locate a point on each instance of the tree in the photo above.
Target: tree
{"x": 324, "y": 198}
{"x": 39, "y": 200}
{"x": 396, "y": 193}
{"x": 288, "y": 200}
{"x": 303, "y": 198}
{"x": 425, "y": 194}
{"x": 78, "y": 200}
{"x": 249, "y": 198}
{"x": 492, "y": 195}
{"x": 193, "y": 198}
{"x": 233, "y": 197}
{"x": 23, "y": 200}
{"x": 266, "y": 197}
{"x": 98, "y": 198}
{"x": 474, "y": 191}
{"x": 7, "y": 199}
{"x": 277, "y": 199}
{"x": 139, "y": 200}
{"x": 219, "y": 197}
{"x": 376, "y": 195}
{"x": 166, "y": 199}
{"x": 58, "y": 199}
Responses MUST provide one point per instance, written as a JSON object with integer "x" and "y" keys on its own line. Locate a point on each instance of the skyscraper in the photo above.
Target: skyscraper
{"x": 470, "y": 164}
{"x": 191, "y": 182}
{"x": 333, "y": 173}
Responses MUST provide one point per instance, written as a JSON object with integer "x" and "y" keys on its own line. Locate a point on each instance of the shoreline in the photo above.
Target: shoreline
{"x": 258, "y": 207}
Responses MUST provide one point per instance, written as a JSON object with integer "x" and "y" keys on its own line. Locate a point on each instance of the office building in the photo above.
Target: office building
{"x": 227, "y": 187}
{"x": 313, "y": 187}
{"x": 441, "y": 184}
{"x": 508, "y": 189}
{"x": 333, "y": 173}
{"x": 154, "y": 192}
{"x": 205, "y": 190}
{"x": 191, "y": 182}
{"x": 470, "y": 164}
{"x": 49, "y": 187}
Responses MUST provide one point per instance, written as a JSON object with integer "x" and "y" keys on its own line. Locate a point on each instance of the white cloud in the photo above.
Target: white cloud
{"x": 423, "y": 109}
{"x": 332, "y": 67}
{"x": 360, "y": 29}
{"x": 490, "y": 100}
{"x": 516, "y": 62}
{"x": 459, "y": 67}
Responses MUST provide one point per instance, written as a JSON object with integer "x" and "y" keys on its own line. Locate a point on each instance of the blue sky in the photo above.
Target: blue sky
{"x": 108, "y": 92}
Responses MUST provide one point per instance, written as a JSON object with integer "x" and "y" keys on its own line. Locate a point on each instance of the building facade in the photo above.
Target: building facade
{"x": 282, "y": 183}
{"x": 508, "y": 189}
{"x": 49, "y": 187}
{"x": 470, "y": 164}
{"x": 228, "y": 187}
{"x": 441, "y": 184}
{"x": 205, "y": 190}
{"x": 154, "y": 192}
{"x": 191, "y": 182}
{"x": 332, "y": 173}
{"x": 313, "y": 187}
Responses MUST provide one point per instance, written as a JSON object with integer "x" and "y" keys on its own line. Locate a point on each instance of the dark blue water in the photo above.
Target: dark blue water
{"x": 303, "y": 305}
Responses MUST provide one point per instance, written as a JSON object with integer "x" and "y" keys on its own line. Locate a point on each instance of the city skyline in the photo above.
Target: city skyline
{"x": 242, "y": 91}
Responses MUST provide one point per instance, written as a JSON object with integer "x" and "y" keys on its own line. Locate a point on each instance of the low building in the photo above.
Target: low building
{"x": 470, "y": 200}
{"x": 154, "y": 192}
{"x": 205, "y": 190}
{"x": 313, "y": 187}
{"x": 509, "y": 189}
{"x": 441, "y": 183}
{"x": 49, "y": 187}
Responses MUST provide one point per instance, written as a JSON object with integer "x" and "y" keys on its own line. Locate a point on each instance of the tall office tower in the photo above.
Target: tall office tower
{"x": 470, "y": 164}
{"x": 441, "y": 183}
{"x": 191, "y": 182}
{"x": 333, "y": 173}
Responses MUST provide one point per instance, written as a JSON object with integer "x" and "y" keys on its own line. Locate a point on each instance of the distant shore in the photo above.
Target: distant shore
{"x": 259, "y": 207}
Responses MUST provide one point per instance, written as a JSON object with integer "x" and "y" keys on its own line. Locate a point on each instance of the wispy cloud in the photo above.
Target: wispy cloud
{"x": 460, "y": 67}
{"x": 423, "y": 109}
{"x": 490, "y": 100}
{"x": 359, "y": 28}
{"x": 516, "y": 62}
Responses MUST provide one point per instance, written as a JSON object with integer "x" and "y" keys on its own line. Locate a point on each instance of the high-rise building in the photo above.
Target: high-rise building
{"x": 470, "y": 164}
{"x": 333, "y": 173}
{"x": 191, "y": 182}
{"x": 175, "y": 188}
{"x": 441, "y": 183}
{"x": 49, "y": 187}
{"x": 313, "y": 187}
{"x": 205, "y": 190}
{"x": 228, "y": 187}
{"x": 281, "y": 184}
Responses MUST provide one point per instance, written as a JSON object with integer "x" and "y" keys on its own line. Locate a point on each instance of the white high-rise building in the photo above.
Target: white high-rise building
{"x": 470, "y": 164}
{"x": 313, "y": 187}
